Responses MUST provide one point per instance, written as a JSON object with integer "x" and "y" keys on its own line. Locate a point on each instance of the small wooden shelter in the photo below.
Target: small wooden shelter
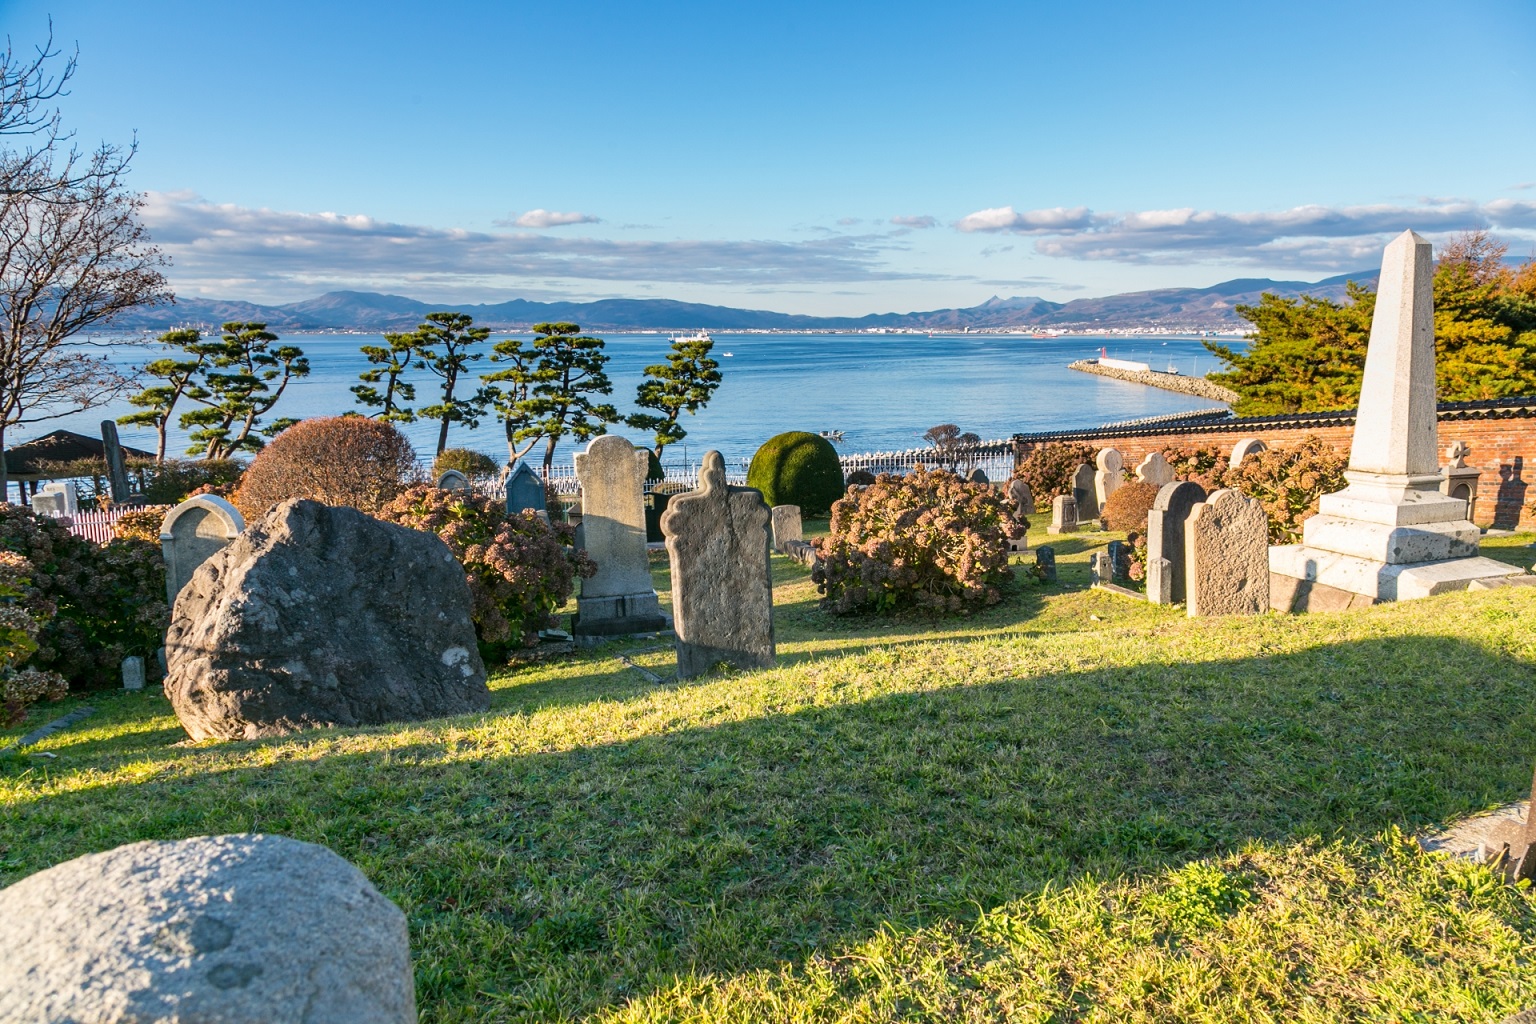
{"x": 46, "y": 458}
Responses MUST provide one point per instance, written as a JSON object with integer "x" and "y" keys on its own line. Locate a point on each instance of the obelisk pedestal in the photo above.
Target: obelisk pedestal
{"x": 1390, "y": 535}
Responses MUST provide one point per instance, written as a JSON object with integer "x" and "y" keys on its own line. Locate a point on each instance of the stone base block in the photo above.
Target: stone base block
{"x": 1392, "y": 501}
{"x": 1377, "y": 581}
{"x": 1289, "y": 594}
{"x": 1498, "y": 582}
{"x": 1395, "y": 545}
{"x": 619, "y": 615}
{"x": 1058, "y": 530}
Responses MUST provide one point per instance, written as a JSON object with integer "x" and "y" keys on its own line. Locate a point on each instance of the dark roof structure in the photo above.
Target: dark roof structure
{"x": 35, "y": 459}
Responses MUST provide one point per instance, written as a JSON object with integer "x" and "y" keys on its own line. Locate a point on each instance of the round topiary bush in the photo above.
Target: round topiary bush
{"x": 471, "y": 463}
{"x": 798, "y": 468}
{"x": 1127, "y": 508}
{"x": 340, "y": 460}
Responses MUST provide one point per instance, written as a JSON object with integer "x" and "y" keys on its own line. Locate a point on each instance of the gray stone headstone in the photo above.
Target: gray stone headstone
{"x": 1022, "y": 497}
{"x": 1243, "y": 448}
{"x": 1120, "y": 559}
{"x": 133, "y": 673}
{"x": 45, "y": 504}
{"x": 1100, "y": 568}
{"x": 1227, "y": 541}
{"x": 1154, "y": 469}
{"x": 787, "y": 528}
{"x": 1109, "y": 475}
{"x": 117, "y": 470}
{"x": 239, "y": 929}
{"x": 525, "y": 489}
{"x": 1063, "y": 515}
{"x": 1045, "y": 559}
{"x": 977, "y": 476}
{"x": 1085, "y": 492}
{"x": 65, "y": 489}
{"x": 620, "y": 598}
{"x": 1165, "y": 540}
{"x": 452, "y": 480}
{"x": 722, "y": 584}
{"x": 192, "y": 533}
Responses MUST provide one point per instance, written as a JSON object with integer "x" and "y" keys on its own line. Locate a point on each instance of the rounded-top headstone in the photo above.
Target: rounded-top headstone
{"x": 452, "y": 480}
{"x": 193, "y": 532}
{"x": 240, "y": 929}
{"x": 1110, "y": 460}
{"x": 1243, "y": 448}
{"x": 977, "y": 476}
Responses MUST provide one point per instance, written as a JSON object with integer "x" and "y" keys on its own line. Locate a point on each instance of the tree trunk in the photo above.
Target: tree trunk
{"x": 160, "y": 447}
{"x": 549, "y": 455}
{"x": 442, "y": 436}
{"x": 5, "y": 479}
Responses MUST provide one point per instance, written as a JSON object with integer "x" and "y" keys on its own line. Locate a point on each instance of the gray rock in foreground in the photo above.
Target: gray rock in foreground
{"x": 237, "y": 929}
{"x": 321, "y": 616}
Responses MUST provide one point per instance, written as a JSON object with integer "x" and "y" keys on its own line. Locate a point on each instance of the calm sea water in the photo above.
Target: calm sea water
{"x": 881, "y": 391}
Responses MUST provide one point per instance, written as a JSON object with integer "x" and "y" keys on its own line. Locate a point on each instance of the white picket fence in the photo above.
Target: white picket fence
{"x": 95, "y": 526}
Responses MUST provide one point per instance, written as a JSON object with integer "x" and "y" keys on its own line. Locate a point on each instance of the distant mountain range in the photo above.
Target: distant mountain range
{"x": 1193, "y": 309}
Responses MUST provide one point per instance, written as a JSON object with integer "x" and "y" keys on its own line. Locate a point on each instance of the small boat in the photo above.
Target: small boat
{"x": 695, "y": 336}
{"x": 727, "y": 355}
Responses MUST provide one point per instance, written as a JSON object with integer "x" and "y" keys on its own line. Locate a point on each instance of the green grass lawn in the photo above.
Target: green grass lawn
{"x": 1072, "y": 807}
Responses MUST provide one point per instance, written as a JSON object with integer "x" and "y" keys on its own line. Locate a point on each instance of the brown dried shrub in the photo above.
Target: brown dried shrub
{"x": 1127, "y": 508}
{"x": 340, "y": 460}
{"x": 1048, "y": 469}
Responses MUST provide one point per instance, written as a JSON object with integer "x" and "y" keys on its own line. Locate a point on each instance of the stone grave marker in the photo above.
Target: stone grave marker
{"x": 65, "y": 489}
{"x": 453, "y": 480}
{"x": 1165, "y": 540}
{"x": 1022, "y": 497}
{"x": 1109, "y": 476}
{"x": 46, "y": 503}
{"x": 525, "y": 489}
{"x": 1154, "y": 469}
{"x": 117, "y": 470}
{"x": 1243, "y": 448}
{"x": 1063, "y": 515}
{"x": 1120, "y": 559}
{"x": 786, "y": 527}
{"x": 1459, "y": 480}
{"x": 1084, "y": 492}
{"x": 1227, "y": 546}
{"x": 977, "y": 476}
{"x": 722, "y": 583}
{"x": 133, "y": 673}
{"x": 191, "y": 533}
{"x": 1045, "y": 560}
{"x": 620, "y": 599}
{"x": 1101, "y": 568}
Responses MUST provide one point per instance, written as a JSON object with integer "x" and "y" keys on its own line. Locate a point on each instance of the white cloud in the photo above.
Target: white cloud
{"x": 1318, "y": 237}
{"x": 540, "y": 219}
{"x": 923, "y": 221}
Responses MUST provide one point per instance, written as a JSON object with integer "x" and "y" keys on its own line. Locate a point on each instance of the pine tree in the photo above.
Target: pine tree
{"x": 685, "y": 383}
{"x": 389, "y": 366}
{"x": 240, "y": 390}
{"x": 158, "y": 401}
{"x": 445, "y": 343}
{"x": 545, "y": 392}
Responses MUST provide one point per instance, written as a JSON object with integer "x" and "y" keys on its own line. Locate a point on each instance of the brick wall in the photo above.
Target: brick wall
{"x": 1503, "y": 447}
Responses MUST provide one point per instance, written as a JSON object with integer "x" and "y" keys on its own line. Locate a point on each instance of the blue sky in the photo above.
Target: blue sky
{"x": 806, "y": 157}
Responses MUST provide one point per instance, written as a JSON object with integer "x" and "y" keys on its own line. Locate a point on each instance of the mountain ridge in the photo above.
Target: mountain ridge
{"x": 1195, "y": 309}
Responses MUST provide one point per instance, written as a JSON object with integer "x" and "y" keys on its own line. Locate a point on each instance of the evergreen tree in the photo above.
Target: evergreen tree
{"x": 389, "y": 366}
{"x": 685, "y": 383}
{"x": 546, "y": 390}
{"x": 239, "y": 390}
{"x": 179, "y": 376}
{"x": 445, "y": 343}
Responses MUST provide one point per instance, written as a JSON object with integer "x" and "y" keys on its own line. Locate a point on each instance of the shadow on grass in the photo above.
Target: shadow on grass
{"x": 599, "y": 873}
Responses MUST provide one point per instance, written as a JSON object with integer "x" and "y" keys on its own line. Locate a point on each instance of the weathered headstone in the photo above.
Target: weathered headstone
{"x": 1154, "y": 469}
{"x": 1022, "y": 497}
{"x": 191, "y": 533}
{"x": 240, "y": 929}
{"x": 722, "y": 583}
{"x": 1243, "y": 448}
{"x": 1110, "y": 474}
{"x": 45, "y": 503}
{"x": 453, "y": 480}
{"x": 117, "y": 469}
{"x": 787, "y": 528}
{"x": 133, "y": 673}
{"x": 1045, "y": 561}
{"x": 620, "y": 599}
{"x": 525, "y": 489}
{"x": 1120, "y": 559}
{"x": 1101, "y": 569}
{"x": 1085, "y": 493}
{"x": 977, "y": 476}
{"x": 1227, "y": 547}
{"x": 65, "y": 489}
{"x": 1165, "y": 540}
{"x": 1063, "y": 515}
{"x": 1459, "y": 480}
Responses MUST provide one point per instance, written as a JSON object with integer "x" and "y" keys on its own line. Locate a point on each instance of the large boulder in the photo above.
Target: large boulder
{"x": 316, "y": 616}
{"x": 240, "y": 929}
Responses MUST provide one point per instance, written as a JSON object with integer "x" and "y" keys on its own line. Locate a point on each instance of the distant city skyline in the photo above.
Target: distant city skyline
{"x": 833, "y": 160}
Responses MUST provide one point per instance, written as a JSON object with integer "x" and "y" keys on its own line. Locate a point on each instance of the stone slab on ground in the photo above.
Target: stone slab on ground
{"x": 1378, "y": 581}
{"x": 1499, "y": 582}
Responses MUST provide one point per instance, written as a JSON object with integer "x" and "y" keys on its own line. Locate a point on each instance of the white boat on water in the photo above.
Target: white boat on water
{"x": 695, "y": 336}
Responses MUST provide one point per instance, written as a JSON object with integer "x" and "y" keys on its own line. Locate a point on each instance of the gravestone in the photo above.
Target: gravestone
{"x": 1165, "y": 540}
{"x": 1243, "y": 448}
{"x": 1084, "y": 492}
{"x": 453, "y": 480}
{"x": 47, "y": 504}
{"x": 977, "y": 476}
{"x": 1227, "y": 547}
{"x": 193, "y": 532}
{"x": 117, "y": 470}
{"x": 1022, "y": 497}
{"x": 525, "y": 489}
{"x": 1045, "y": 561}
{"x": 1101, "y": 569}
{"x": 620, "y": 599}
{"x": 1459, "y": 480}
{"x": 133, "y": 673}
{"x": 67, "y": 493}
{"x": 786, "y": 528}
{"x": 1120, "y": 559}
{"x": 1063, "y": 515}
{"x": 1110, "y": 473}
{"x": 722, "y": 583}
{"x": 1154, "y": 469}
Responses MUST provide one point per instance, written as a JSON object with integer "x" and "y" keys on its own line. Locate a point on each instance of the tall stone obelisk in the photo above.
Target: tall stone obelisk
{"x": 1390, "y": 534}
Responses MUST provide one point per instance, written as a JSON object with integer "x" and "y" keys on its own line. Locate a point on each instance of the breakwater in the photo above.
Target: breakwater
{"x": 1198, "y": 386}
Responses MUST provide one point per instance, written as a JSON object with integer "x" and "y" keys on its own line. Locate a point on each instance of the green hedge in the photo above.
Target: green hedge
{"x": 798, "y": 468}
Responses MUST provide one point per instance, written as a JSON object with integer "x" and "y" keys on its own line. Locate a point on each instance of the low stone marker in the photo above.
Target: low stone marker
{"x": 191, "y": 533}
{"x": 452, "y": 480}
{"x": 1063, "y": 515}
{"x": 525, "y": 490}
{"x": 620, "y": 599}
{"x": 133, "y": 673}
{"x": 1165, "y": 540}
{"x": 787, "y": 528}
{"x": 240, "y": 929}
{"x": 68, "y": 497}
{"x": 722, "y": 582}
{"x": 1085, "y": 493}
{"x": 1120, "y": 559}
{"x": 977, "y": 476}
{"x": 1045, "y": 561}
{"x": 1154, "y": 469}
{"x": 47, "y": 504}
{"x": 1243, "y": 448}
{"x": 1459, "y": 480}
{"x": 1110, "y": 475}
{"x": 1227, "y": 546}
{"x": 1022, "y": 497}
{"x": 1101, "y": 568}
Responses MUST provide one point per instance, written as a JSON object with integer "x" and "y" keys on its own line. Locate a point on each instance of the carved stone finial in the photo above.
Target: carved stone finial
{"x": 1457, "y": 453}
